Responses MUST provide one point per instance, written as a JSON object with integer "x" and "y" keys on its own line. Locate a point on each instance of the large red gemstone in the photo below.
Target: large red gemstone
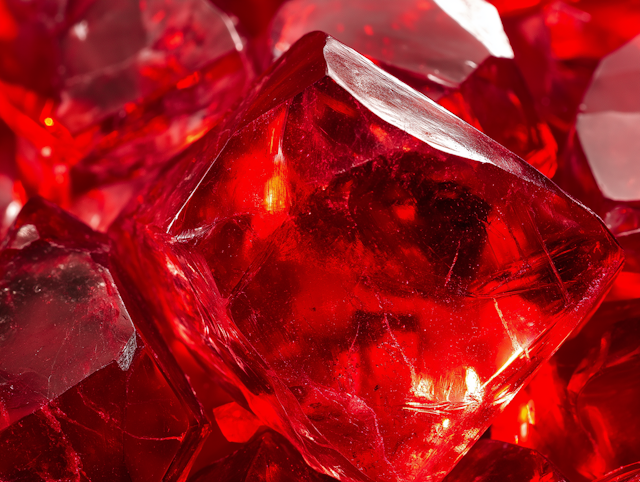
{"x": 82, "y": 395}
{"x": 493, "y": 461}
{"x": 454, "y": 52}
{"x": 376, "y": 277}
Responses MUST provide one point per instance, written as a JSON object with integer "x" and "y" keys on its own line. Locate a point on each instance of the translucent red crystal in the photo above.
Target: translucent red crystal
{"x": 454, "y": 52}
{"x": 372, "y": 293}
{"x": 82, "y": 395}
{"x": 267, "y": 457}
{"x": 135, "y": 84}
{"x": 600, "y": 164}
{"x": 490, "y": 460}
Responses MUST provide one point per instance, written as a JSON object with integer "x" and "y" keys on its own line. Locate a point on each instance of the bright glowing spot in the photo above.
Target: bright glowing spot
{"x": 368, "y": 29}
{"x": 80, "y": 30}
{"x": 524, "y": 430}
{"x": 446, "y": 422}
{"x": 45, "y": 151}
{"x": 474, "y": 387}
{"x": 423, "y": 387}
{"x": 275, "y": 194}
{"x": 12, "y": 211}
{"x": 531, "y": 412}
{"x": 48, "y": 121}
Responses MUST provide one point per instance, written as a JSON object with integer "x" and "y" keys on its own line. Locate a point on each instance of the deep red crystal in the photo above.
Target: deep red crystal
{"x": 558, "y": 45}
{"x": 363, "y": 268}
{"x": 630, "y": 473}
{"x": 493, "y": 461}
{"x": 600, "y": 163}
{"x": 82, "y": 395}
{"x": 267, "y": 457}
{"x": 454, "y": 52}
{"x": 580, "y": 410}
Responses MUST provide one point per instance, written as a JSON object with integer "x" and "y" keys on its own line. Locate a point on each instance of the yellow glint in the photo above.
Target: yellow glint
{"x": 474, "y": 387}
{"x": 446, "y": 422}
{"x": 275, "y": 194}
{"x": 531, "y": 412}
{"x": 48, "y": 121}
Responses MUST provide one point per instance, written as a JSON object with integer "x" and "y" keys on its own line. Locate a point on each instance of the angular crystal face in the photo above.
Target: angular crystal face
{"x": 490, "y": 460}
{"x": 441, "y": 40}
{"x": 607, "y": 126}
{"x": 599, "y": 164}
{"x": 267, "y": 454}
{"x": 81, "y": 393}
{"x": 450, "y": 51}
{"x": 371, "y": 274}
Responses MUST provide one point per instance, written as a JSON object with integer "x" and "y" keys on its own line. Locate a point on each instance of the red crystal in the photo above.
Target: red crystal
{"x": 267, "y": 457}
{"x": 236, "y": 424}
{"x": 366, "y": 273}
{"x": 81, "y": 393}
{"x": 454, "y": 52}
{"x": 116, "y": 115}
{"x": 600, "y": 163}
{"x": 558, "y": 45}
{"x": 490, "y": 460}
{"x": 580, "y": 410}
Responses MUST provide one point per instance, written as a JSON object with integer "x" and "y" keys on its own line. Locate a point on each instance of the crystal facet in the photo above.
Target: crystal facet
{"x": 601, "y": 161}
{"x": 455, "y": 52}
{"x": 363, "y": 268}
{"x": 81, "y": 393}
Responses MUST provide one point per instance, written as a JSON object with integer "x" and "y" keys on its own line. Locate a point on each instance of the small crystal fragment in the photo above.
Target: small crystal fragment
{"x": 81, "y": 392}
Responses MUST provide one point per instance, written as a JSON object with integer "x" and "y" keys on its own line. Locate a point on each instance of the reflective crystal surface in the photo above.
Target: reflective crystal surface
{"x": 630, "y": 473}
{"x": 601, "y": 162}
{"x": 376, "y": 290}
{"x": 82, "y": 396}
{"x": 455, "y": 52}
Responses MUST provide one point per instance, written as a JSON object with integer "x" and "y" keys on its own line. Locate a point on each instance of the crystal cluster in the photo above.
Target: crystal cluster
{"x": 316, "y": 240}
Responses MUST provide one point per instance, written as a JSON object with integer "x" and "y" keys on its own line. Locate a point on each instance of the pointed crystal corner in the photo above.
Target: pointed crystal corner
{"x": 371, "y": 274}
{"x": 469, "y": 69}
{"x": 81, "y": 392}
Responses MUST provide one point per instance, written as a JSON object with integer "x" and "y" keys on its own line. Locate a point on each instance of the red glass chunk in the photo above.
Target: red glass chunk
{"x": 600, "y": 165}
{"x": 378, "y": 291}
{"x": 267, "y": 457}
{"x": 81, "y": 393}
{"x": 558, "y": 45}
{"x": 490, "y": 460}
{"x": 454, "y": 52}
